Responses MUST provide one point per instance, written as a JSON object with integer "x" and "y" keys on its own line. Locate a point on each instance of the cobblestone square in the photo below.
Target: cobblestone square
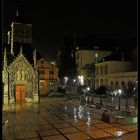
{"x": 58, "y": 119}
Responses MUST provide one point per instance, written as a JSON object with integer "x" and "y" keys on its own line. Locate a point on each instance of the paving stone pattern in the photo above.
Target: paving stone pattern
{"x": 58, "y": 119}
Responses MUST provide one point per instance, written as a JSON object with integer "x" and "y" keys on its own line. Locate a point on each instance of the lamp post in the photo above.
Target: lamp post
{"x": 116, "y": 93}
{"x": 119, "y": 94}
{"x": 65, "y": 80}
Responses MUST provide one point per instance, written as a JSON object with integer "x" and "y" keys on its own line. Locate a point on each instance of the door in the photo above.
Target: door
{"x": 20, "y": 93}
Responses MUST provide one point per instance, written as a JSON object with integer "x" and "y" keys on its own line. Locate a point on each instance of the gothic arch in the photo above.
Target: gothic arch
{"x": 22, "y": 73}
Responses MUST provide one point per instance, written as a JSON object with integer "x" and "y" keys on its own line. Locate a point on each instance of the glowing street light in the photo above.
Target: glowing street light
{"x": 88, "y": 88}
{"x": 115, "y": 93}
{"x": 65, "y": 79}
{"x": 81, "y": 79}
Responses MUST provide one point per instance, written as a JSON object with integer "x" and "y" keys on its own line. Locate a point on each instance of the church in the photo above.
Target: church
{"x": 20, "y": 76}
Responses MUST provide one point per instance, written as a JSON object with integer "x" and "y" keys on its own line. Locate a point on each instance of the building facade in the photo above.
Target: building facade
{"x": 114, "y": 71}
{"x": 19, "y": 73}
{"x": 48, "y": 76}
{"x": 90, "y": 57}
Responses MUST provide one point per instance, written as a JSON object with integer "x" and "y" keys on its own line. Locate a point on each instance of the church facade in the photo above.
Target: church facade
{"x": 19, "y": 73}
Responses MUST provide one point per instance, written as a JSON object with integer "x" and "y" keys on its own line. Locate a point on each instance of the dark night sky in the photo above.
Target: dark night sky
{"x": 53, "y": 21}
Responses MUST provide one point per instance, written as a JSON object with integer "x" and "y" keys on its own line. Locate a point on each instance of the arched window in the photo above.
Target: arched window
{"x": 111, "y": 83}
{"x": 117, "y": 84}
{"x": 101, "y": 82}
{"x": 122, "y": 83}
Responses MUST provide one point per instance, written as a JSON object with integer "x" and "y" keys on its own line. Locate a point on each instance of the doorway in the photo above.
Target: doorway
{"x": 20, "y": 93}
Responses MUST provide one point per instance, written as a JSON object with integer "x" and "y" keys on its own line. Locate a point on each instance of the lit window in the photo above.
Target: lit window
{"x": 51, "y": 83}
{"x": 101, "y": 70}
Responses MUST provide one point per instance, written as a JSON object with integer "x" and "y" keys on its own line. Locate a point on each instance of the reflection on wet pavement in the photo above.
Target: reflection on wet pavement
{"x": 58, "y": 119}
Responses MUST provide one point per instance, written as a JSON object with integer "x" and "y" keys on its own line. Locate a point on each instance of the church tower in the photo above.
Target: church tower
{"x": 20, "y": 75}
{"x": 21, "y": 30}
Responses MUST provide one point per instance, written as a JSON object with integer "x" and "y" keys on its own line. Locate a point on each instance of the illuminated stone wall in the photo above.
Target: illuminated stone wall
{"x": 116, "y": 72}
{"x": 20, "y": 72}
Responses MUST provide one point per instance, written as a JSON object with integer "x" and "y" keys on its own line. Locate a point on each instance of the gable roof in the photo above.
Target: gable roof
{"x": 27, "y": 51}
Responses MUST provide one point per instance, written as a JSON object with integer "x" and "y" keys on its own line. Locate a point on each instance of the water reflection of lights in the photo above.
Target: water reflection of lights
{"x": 88, "y": 113}
{"x": 88, "y": 120}
{"x": 75, "y": 115}
{"x": 118, "y": 133}
{"x": 65, "y": 107}
{"x": 80, "y": 112}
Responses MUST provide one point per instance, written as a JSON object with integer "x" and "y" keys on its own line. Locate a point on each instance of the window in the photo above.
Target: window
{"x": 106, "y": 69}
{"x": 51, "y": 72}
{"x": 27, "y": 32}
{"x": 117, "y": 84}
{"x": 16, "y": 30}
{"x": 101, "y": 81}
{"x": 111, "y": 83}
{"x": 21, "y": 31}
{"x": 42, "y": 63}
{"x": 106, "y": 82}
{"x": 42, "y": 71}
{"x": 97, "y": 70}
{"x": 77, "y": 56}
{"x": 51, "y": 83}
{"x": 101, "y": 70}
{"x": 42, "y": 86}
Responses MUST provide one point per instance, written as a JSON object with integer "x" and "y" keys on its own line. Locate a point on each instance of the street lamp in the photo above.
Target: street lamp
{"x": 81, "y": 79}
{"x": 116, "y": 93}
{"x": 120, "y": 92}
{"x": 88, "y": 88}
{"x": 65, "y": 80}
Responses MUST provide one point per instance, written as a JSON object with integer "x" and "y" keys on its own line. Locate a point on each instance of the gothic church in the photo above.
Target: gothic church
{"x": 19, "y": 72}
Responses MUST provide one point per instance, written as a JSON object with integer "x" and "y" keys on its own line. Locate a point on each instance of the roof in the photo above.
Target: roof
{"x": 116, "y": 57}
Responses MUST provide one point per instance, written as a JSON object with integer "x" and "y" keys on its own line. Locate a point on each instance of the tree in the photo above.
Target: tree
{"x": 100, "y": 91}
{"x": 89, "y": 69}
{"x": 128, "y": 92}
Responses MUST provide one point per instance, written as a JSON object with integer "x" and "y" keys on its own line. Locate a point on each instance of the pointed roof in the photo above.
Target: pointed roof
{"x": 27, "y": 51}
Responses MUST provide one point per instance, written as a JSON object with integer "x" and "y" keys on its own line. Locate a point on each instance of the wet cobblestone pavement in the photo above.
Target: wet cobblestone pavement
{"x": 58, "y": 119}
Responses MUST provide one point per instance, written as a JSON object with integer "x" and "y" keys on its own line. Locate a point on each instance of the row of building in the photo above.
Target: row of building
{"x": 26, "y": 74}
{"x": 110, "y": 67}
